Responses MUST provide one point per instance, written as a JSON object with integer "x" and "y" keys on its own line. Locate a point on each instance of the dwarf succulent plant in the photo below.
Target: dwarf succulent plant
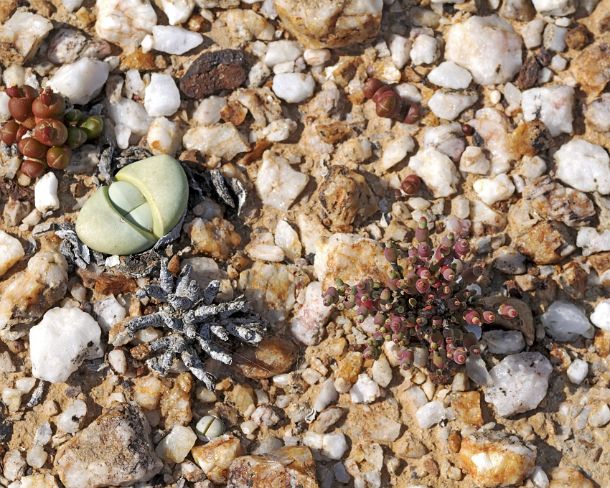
{"x": 388, "y": 102}
{"x": 425, "y": 306}
{"x": 43, "y": 131}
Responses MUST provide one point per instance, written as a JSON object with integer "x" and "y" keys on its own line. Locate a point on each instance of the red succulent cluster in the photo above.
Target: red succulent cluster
{"x": 425, "y": 306}
{"x": 389, "y": 104}
{"x": 44, "y": 132}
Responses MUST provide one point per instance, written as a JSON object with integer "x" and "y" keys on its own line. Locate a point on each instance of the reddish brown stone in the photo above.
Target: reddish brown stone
{"x": 578, "y": 37}
{"x": 213, "y": 72}
{"x": 528, "y": 75}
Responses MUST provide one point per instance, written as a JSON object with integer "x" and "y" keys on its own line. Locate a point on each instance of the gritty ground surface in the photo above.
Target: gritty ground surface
{"x": 346, "y": 164}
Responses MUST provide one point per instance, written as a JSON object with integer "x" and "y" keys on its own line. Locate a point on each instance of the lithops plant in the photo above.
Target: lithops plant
{"x": 209, "y": 427}
{"x": 143, "y": 203}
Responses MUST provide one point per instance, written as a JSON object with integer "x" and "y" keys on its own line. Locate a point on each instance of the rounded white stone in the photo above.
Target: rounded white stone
{"x": 161, "y": 97}
{"x": 293, "y": 87}
{"x": 577, "y": 371}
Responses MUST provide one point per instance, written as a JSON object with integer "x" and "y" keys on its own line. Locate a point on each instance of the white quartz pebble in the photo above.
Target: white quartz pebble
{"x": 365, "y": 390}
{"x": 316, "y": 57}
{"x": 552, "y": 105}
{"x": 598, "y": 113}
{"x": 69, "y": 419}
{"x": 399, "y": 50}
{"x": 504, "y": 341}
{"x": 326, "y": 395}
{"x": 396, "y": 150}
{"x": 177, "y": 11}
{"x": 450, "y": 75}
{"x": 11, "y": 251}
{"x": 566, "y": 321}
{"x": 519, "y": 383}
{"x": 600, "y": 415}
{"x": 577, "y": 371}
{"x": 424, "y": 50}
{"x": 494, "y": 189}
{"x": 277, "y": 184}
{"x": 437, "y": 170}
{"x": 555, "y": 7}
{"x": 109, "y": 312}
{"x": 293, "y": 87}
{"x": 118, "y": 360}
{"x": 591, "y": 241}
{"x": 63, "y": 339}
{"x": 332, "y": 445}
{"x": 449, "y": 105}
{"x": 281, "y": 52}
{"x": 430, "y": 413}
{"x": 45, "y": 193}
{"x": 601, "y": 315}
{"x": 36, "y": 457}
{"x": 176, "y": 445}
{"x": 80, "y": 81}
{"x": 288, "y": 239}
{"x": 172, "y": 40}
{"x": 72, "y": 5}
{"x": 532, "y": 33}
{"x": 473, "y": 160}
{"x": 161, "y": 97}
{"x": 5, "y": 113}
{"x": 25, "y": 31}
{"x": 164, "y": 136}
{"x": 584, "y": 166}
{"x": 130, "y": 119}
{"x": 208, "y": 110}
{"x": 382, "y": 371}
{"x": 539, "y": 478}
{"x": 487, "y": 46}
{"x": 124, "y": 22}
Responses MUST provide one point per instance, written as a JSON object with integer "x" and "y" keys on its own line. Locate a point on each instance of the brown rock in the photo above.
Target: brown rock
{"x": 407, "y": 447}
{"x": 328, "y": 23}
{"x": 176, "y": 403}
{"x": 215, "y": 457}
{"x": 114, "y": 450}
{"x": 142, "y": 61}
{"x": 273, "y": 356}
{"x": 601, "y": 264}
{"x": 522, "y": 10}
{"x": 602, "y": 343}
{"x": 111, "y": 284}
{"x": 467, "y": 406}
{"x": 545, "y": 242}
{"x": 592, "y": 66}
{"x": 578, "y": 37}
{"x": 573, "y": 280}
{"x": 288, "y": 466}
{"x": 528, "y": 75}
{"x": 213, "y": 72}
{"x": 528, "y": 139}
{"x": 348, "y": 370}
{"x": 565, "y": 477}
{"x": 495, "y": 459}
{"x": 344, "y": 197}
{"x": 216, "y": 238}
{"x": 327, "y": 419}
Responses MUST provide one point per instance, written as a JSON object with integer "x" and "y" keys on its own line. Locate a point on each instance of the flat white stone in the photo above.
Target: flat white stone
{"x": 326, "y": 395}
{"x": 316, "y": 57}
{"x": 577, "y": 371}
{"x": 450, "y": 75}
{"x": 293, "y": 87}
{"x": 174, "y": 40}
{"x": 437, "y": 170}
{"x": 81, "y": 81}
{"x": 583, "y": 166}
{"x": 221, "y": 140}
{"x": 396, "y": 150}
{"x": 488, "y": 47}
{"x": 493, "y": 128}
{"x": 598, "y": 113}
{"x": 519, "y": 383}
{"x": 429, "y": 414}
{"x": 446, "y": 138}
{"x": 504, "y": 341}
{"x": 532, "y": 33}
{"x": 208, "y": 110}
{"x": 130, "y": 119}
{"x": 449, "y": 105}
{"x": 288, "y": 239}
{"x": 565, "y": 321}
{"x": 63, "y": 339}
{"x": 161, "y": 97}
{"x": 176, "y": 445}
{"x": 281, "y": 52}
{"x": 552, "y": 105}
{"x": 277, "y": 184}
{"x": 495, "y": 189}
{"x": 601, "y": 315}
{"x": 399, "y": 50}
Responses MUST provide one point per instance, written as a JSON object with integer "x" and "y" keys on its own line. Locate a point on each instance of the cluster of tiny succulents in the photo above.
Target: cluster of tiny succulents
{"x": 389, "y": 104}
{"x": 196, "y": 326}
{"x": 426, "y": 306}
{"x": 44, "y": 131}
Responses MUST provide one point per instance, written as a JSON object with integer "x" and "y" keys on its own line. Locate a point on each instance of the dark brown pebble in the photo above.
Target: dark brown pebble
{"x": 578, "y": 37}
{"x": 467, "y": 129}
{"x": 528, "y": 75}
{"x": 213, "y": 72}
